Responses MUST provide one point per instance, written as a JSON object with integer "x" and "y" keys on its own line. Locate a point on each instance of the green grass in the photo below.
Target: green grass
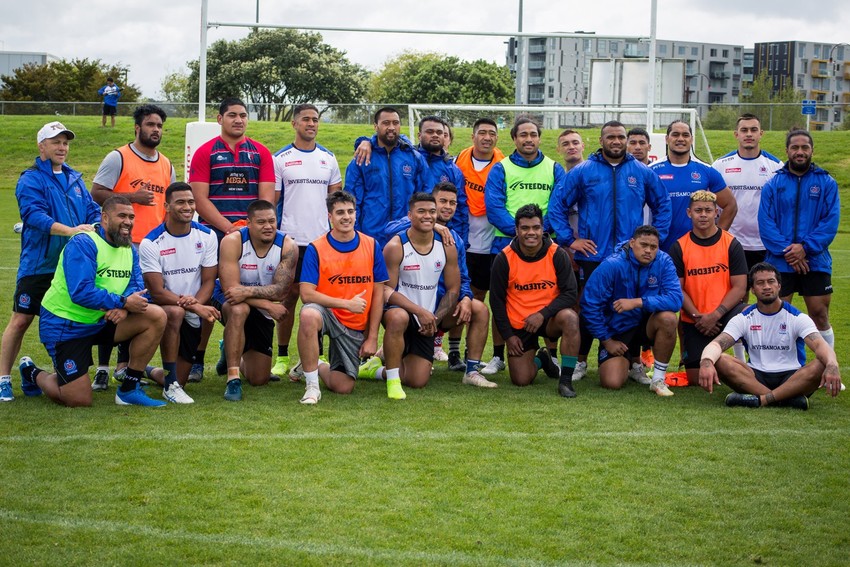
{"x": 451, "y": 476}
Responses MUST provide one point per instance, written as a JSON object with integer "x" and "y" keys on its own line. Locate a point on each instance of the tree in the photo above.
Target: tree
{"x": 280, "y": 68}
{"x": 175, "y": 87}
{"x": 434, "y": 78}
{"x": 764, "y": 99}
{"x": 64, "y": 81}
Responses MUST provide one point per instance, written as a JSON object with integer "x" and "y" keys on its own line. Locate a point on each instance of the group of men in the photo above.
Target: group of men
{"x": 606, "y": 248}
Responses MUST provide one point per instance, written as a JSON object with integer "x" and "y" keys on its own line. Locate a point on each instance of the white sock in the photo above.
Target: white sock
{"x": 740, "y": 351}
{"x": 392, "y": 374}
{"x": 660, "y": 371}
{"x": 6, "y": 378}
{"x": 312, "y": 378}
{"x": 829, "y": 337}
{"x": 104, "y": 368}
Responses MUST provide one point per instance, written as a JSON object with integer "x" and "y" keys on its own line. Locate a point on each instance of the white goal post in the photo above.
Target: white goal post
{"x": 561, "y": 117}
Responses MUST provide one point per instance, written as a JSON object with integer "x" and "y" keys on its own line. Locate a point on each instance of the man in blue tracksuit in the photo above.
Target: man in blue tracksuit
{"x": 54, "y": 205}
{"x": 110, "y": 93}
{"x": 798, "y": 219}
{"x": 633, "y": 296}
{"x": 393, "y": 174}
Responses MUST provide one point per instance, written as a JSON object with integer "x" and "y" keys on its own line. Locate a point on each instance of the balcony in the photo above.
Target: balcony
{"x": 845, "y": 99}
{"x": 820, "y": 68}
{"x": 537, "y": 64}
{"x": 537, "y": 48}
{"x": 719, "y": 75}
{"x": 536, "y": 80}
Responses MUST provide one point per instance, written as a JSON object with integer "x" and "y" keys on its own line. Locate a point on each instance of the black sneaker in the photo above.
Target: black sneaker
{"x": 101, "y": 381}
{"x": 547, "y": 364}
{"x": 456, "y": 363}
{"x": 743, "y": 400}
{"x": 565, "y": 388}
{"x": 797, "y": 402}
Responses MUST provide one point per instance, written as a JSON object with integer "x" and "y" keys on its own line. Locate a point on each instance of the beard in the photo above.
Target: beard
{"x": 147, "y": 141}
{"x": 119, "y": 239}
{"x": 800, "y": 168}
{"x": 614, "y": 154}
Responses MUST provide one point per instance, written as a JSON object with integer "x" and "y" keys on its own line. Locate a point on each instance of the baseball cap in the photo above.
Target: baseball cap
{"x": 53, "y": 129}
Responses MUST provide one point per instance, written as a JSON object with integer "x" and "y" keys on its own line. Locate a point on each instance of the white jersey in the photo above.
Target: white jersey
{"x": 419, "y": 274}
{"x": 746, "y": 177}
{"x": 302, "y": 179}
{"x": 481, "y": 234}
{"x": 179, "y": 258}
{"x": 774, "y": 342}
{"x": 257, "y": 270}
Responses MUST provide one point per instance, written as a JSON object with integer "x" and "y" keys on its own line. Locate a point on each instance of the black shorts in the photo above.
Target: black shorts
{"x": 634, "y": 338}
{"x": 693, "y": 342}
{"x": 773, "y": 380}
{"x": 301, "y": 251}
{"x": 585, "y": 269}
{"x": 109, "y": 110}
{"x": 811, "y": 284}
{"x": 417, "y": 343}
{"x": 479, "y": 266}
{"x": 258, "y": 330}
{"x": 72, "y": 358}
{"x": 29, "y": 292}
{"x": 754, "y": 257}
{"x": 190, "y": 338}
{"x": 530, "y": 340}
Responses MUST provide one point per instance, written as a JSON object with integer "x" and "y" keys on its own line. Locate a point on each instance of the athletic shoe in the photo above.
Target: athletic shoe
{"x": 638, "y": 374}
{"x": 580, "y": 371}
{"x": 743, "y": 400}
{"x": 456, "y": 362}
{"x": 197, "y": 373}
{"x": 842, "y": 386}
{"x": 221, "y": 365}
{"x": 136, "y": 397}
{"x": 311, "y": 396}
{"x": 233, "y": 392}
{"x": 6, "y": 391}
{"x": 101, "y": 381}
{"x": 440, "y": 355}
{"x": 369, "y": 369}
{"x": 297, "y": 373}
{"x": 281, "y": 367}
{"x": 118, "y": 375}
{"x": 565, "y": 389}
{"x": 797, "y": 402}
{"x": 176, "y": 394}
{"x": 394, "y": 391}
{"x": 647, "y": 358}
{"x": 28, "y": 370}
{"x": 547, "y": 365}
{"x": 496, "y": 364}
{"x": 660, "y": 388}
{"x": 475, "y": 378}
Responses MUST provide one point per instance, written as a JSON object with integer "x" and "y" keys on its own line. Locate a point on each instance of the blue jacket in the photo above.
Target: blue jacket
{"x": 443, "y": 168}
{"x": 383, "y": 187}
{"x": 110, "y": 95}
{"x": 496, "y": 194}
{"x": 42, "y": 202}
{"x": 394, "y": 227}
{"x": 621, "y": 276}
{"x": 802, "y": 210}
{"x": 610, "y": 203}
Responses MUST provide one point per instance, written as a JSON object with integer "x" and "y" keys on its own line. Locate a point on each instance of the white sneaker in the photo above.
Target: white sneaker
{"x": 475, "y": 378}
{"x": 440, "y": 354}
{"x": 580, "y": 371}
{"x": 660, "y": 388}
{"x": 297, "y": 373}
{"x": 311, "y": 396}
{"x": 495, "y": 365}
{"x": 176, "y": 395}
{"x": 638, "y": 374}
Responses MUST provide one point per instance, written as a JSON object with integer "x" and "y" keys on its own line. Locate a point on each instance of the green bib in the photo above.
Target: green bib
{"x": 114, "y": 269}
{"x": 526, "y": 185}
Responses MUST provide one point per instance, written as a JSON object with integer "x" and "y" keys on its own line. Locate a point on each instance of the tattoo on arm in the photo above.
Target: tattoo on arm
{"x": 446, "y": 305}
{"x": 282, "y": 280}
{"x": 812, "y": 337}
{"x": 725, "y": 341}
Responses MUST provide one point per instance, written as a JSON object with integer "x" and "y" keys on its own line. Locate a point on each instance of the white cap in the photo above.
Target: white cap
{"x": 52, "y": 130}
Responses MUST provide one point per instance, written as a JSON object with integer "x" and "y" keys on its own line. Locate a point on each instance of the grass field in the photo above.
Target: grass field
{"x": 451, "y": 476}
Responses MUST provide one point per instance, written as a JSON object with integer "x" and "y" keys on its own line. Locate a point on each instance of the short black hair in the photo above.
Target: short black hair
{"x": 646, "y": 230}
{"x": 382, "y": 110}
{"x": 230, "y": 101}
{"x": 259, "y": 205}
{"x": 432, "y": 118}
{"x": 762, "y": 267}
{"x": 747, "y": 116}
{"x": 638, "y": 132}
{"x": 339, "y": 196}
{"x": 146, "y": 110}
{"x": 485, "y": 120}
{"x": 445, "y": 186}
{"x": 174, "y": 187}
{"x": 418, "y": 197}
{"x": 611, "y": 124}
{"x": 529, "y": 211}
{"x": 670, "y": 126}
{"x": 113, "y": 201}
{"x": 524, "y": 119}
{"x": 299, "y": 108}
{"x": 798, "y": 132}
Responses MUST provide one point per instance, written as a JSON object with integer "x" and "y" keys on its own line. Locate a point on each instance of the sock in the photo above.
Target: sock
{"x": 499, "y": 350}
{"x": 131, "y": 380}
{"x": 438, "y": 341}
{"x": 170, "y": 373}
{"x": 739, "y": 351}
{"x": 829, "y": 337}
{"x": 537, "y": 362}
{"x": 553, "y": 352}
{"x": 282, "y": 350}
{"x": 312, "y": 378}
{"x": 104, "y": 353}
{"x": 104, "y": 368}
{"x": 379, "y": 373}
{"x": 471, "y": 364}
{"x": 123, "y": 352}
{"x": 199, "y": 357}
{"x": 660, "y": 371}
{"x": 321, "y": 346}
{"x": 6, "y": 378}
{"x": 568, "y": 365}
{"x": 392, "y": 374}
{"x": 454, "y": 345}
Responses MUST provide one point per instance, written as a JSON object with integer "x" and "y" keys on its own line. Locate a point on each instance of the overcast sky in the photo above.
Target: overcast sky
{"x": 156, "y": 37}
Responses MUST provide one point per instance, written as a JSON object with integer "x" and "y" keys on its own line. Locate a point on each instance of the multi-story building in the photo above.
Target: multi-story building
{"x": 12, "y": 60}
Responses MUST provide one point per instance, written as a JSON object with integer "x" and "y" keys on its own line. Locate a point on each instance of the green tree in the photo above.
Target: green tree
{"x": 777, "y": 108}
{"x": 65, "y": 81}
{"x": 175, "y": 87}
{"x": 280, "y": 68}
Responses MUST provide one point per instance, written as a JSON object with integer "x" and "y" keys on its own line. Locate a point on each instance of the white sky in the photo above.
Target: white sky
{"x": 156, "y": 37}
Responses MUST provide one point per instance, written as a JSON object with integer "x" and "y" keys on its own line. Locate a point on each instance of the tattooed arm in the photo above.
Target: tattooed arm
{"x": 831, "y": 379}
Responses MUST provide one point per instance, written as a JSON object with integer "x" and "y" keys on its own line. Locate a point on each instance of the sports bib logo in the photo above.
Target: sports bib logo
{"x": 24, "y": 300}
{"x": 735, "y": 169}
{"x": 291, "y": 163}
{"x": 248, "y": 266}
{"x": 783, "y": 329}
{"x": 70, "y": 366}
{"x": 411, "y": 268}
{"x": 755, "y": 327}
{"x": 666, "y": 177}
{"x": 199, "y": 247}
{"x": 168, "y": 252}
{"x": 269, "y": 269}
{"x": 696, "y": 176}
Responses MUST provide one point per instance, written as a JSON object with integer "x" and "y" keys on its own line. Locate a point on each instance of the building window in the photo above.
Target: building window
{"x": 801, "y": 78}
{"x": 801, "y": 50}
{"x": 587, "y": 45}
{"x": 662, "y": 49}
{"x": 615, "y": 46}
{"x": 817, "y": 51}
{"x": 602, "y": 46}
{"x": 551, "y": 92}
{"x": 681, "y": 50}
{"x": 551, "y": 74}
{"x": 726, "y": 53}
{"x": 695, "y": 51}
{"x": 712, "y": 53}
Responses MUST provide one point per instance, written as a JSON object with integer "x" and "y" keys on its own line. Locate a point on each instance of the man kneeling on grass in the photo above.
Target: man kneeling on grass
{"x": 774, "y": 333}
{"x": 532, "y": 292}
